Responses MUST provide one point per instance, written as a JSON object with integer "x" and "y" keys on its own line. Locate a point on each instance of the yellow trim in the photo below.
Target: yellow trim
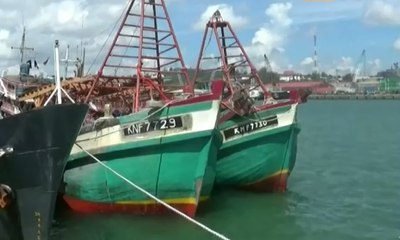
{"x": 284, "y": 171}
{"x": 204, "y": 198}
{"x": 191, "y": 200}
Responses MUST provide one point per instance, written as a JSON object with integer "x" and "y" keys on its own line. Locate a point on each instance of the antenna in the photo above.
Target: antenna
{"x": 81, "y": 64}
{"x": 22, "y": 48}
{"x": 58, "y": 87}
{"x": 66, "y": 62}
{"x": 82, "y": 36}
{"x": 315, "y": 54}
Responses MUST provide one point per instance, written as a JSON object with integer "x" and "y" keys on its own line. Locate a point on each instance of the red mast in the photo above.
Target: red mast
{"x": 234, "y": 63}
{"x": 144, "y": 55}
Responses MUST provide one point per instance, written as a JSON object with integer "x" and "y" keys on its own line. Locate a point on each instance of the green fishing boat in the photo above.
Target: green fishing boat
{"x": 259, "y": 149}
{"x": 165, "y": 144}
{"x": 258, "y": 127}
{"x": 170, "y": 152}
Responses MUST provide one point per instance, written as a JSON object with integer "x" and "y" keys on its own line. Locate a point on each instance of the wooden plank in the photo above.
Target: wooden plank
{"x": 48, "y": 89}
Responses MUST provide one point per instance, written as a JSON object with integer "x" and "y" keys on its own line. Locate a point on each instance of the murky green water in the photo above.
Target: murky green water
{"x": 345, "y": 185}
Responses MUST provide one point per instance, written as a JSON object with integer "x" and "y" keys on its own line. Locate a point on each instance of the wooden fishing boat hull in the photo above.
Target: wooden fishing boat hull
{"x": 259, "y": 150}
{"x": 177, "y": 165}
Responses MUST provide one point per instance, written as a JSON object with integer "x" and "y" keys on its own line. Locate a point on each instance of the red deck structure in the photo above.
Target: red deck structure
{"x": 144, "y": 54}
{"x": 232, "y": 60}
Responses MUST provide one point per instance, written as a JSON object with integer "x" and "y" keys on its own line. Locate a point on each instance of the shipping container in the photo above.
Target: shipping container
{"x": 390, "y": 85}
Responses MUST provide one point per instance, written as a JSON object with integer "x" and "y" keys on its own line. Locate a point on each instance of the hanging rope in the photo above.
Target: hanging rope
{"x": 220, "y": 236}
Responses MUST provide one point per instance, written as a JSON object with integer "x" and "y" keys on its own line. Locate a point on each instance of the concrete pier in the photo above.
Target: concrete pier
{"x": 354, "y": 97}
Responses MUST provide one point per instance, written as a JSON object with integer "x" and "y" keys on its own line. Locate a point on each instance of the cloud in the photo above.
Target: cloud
{"x": 396, "y": 44}
{"x": 307, "y": 61}
{"x": 270, "y": 38}
{"x": 227, "y": 13}
{"x": 4, "y": 48}
{"x": 374, "y": 66}
{"x": 46, "y": 21}
{"x": 382, "y": 12}
{"x": 59, "y": 16}
{"x": 49, "y": 20}
{"x": 62, "y": 20}
{"x": 314, "y": 12}
{"x": 306, "y": 65}
{"x": 279, "y": 14}
{"x": 267, "y": 39}
{"x": 4, "y": 34}
{"x": 347, "y": 65}
{"x": 342, "y": 66}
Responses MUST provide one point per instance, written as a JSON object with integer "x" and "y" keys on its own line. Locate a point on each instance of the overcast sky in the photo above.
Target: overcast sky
{"x": 281, "y": 29}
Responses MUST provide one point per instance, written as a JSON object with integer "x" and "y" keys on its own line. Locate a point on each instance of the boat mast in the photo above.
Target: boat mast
{"x": 144, "y": 52}
{"x": 58, "y": 89}
{"x": 22, "y": 48}
{"x": 57, "y": 71}
{"x": 231, "y": 52}
{"x": 66, "y": 62}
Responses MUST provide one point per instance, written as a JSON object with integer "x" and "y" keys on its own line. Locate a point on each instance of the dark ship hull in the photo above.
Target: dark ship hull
{"x": 34, "y": 147}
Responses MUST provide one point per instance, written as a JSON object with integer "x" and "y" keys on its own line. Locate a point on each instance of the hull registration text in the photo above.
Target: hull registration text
{"x": 156, "y": 125}
{"x": 250, "y": 127}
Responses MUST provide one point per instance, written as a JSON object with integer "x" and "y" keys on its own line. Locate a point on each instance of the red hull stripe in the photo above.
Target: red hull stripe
{"x": 276, "y": 183}
{"x": 82, "y": 206}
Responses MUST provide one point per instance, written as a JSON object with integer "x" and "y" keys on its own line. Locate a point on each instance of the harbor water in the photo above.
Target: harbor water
{"x": 345, "y": 185}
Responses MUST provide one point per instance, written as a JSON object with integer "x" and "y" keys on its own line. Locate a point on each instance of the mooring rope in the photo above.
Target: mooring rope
{"x": 215, "y": 233}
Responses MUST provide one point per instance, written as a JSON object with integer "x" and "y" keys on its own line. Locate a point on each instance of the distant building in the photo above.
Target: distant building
{"x": 344, "y": 87}
{"x": 316, "y": 87}
{"x": 390, "y": 85}
{"x": 368, "y": 86}
{"x": 289, "y": 76}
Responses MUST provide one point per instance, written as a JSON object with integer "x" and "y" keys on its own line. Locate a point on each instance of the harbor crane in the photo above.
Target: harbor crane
{"x": 360, "y": 72}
